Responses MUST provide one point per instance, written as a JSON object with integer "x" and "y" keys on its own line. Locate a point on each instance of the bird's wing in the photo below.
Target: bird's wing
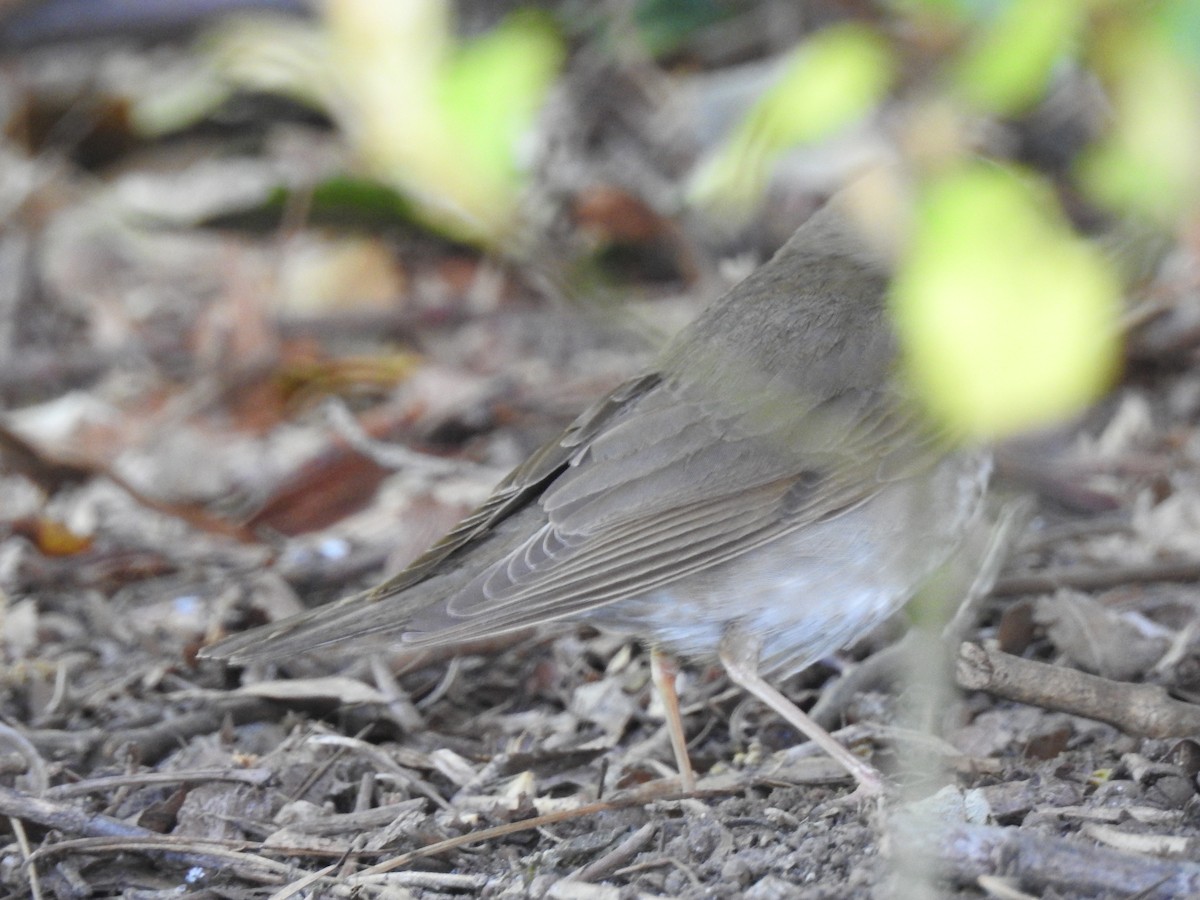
{"x": 652, "y": 484}
{"x": 522, "y": 485}
{"x": 719, "y": 453}
{"x": 633, "y": 513}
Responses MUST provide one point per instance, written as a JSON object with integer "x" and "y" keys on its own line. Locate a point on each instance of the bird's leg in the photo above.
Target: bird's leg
{"x": 739, "y": 654}
{"x": 663, "y": 671}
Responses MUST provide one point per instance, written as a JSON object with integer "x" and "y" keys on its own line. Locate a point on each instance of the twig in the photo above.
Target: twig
{"x": 663, "y": 789}
{"x": 256, "y": 777}
{"x": 619, "y": 856}
{"x": 1143, "y": 709}
{"x": 385, "y": 765}
{"x": 441, "y": 882}
{"x": 65, "y": 818}
{"x": 156, "y": 741}
{"x": 185, "y": 851}
{"x": 35, "y": 880}
{"x": 35, "y": 766}
{"x": 72, "y": 820}
{"x": 1040, "y": 862}
{"x": 1088, "y": 578}
{"x": 295, "y": 887}
{"x": 400, "y": 703}
{"x": 498, "y": 831}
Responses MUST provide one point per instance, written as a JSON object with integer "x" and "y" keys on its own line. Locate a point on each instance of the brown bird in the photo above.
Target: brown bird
{"x": 765, "y": 496}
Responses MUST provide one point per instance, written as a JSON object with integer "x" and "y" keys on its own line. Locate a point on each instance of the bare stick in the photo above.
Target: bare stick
{"x": 1143, "y": 709}
{"x": 1090, "y": 578}
{"x": 1040, "y": 862}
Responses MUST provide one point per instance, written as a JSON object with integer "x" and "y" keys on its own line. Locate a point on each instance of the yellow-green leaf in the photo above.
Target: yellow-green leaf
{"x": 1149, "y": 162}
{"x": 1008, "y": 320}
{"x": 489, "y": 94}
{"x": 438, "y": 121}
{"x": 1007, "y": 68}
{"x": 831, "y": 81}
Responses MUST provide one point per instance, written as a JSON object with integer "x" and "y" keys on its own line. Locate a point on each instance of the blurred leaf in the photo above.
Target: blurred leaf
{"x": 1008, "y": 66}
{"x": 273, "y": 54}
{"x": 437, "y": 122}
{"x": 1149, "y": 162}
{"x": 1008, "y": 320}
{"x": 322, "y": 275}
{"x": 490, "y": 93}
{"x": 268, "y": 54}
{"x": 831, "y": 81}
{"x": 343, "y": 201}
{"x": 1177, "y": 22}
{"x": 303, "y": 382}
{"x": 50, "y": 537}
{"x": 388, "y": 57}
{"x": 360, "y": 198}
{"x": 337, "y": 483}
{"x": 442, "y": 123}
{"x": 940, "y": 8}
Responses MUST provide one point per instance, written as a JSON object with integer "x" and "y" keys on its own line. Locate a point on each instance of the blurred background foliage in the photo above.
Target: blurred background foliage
{"x": 999, "y": 139}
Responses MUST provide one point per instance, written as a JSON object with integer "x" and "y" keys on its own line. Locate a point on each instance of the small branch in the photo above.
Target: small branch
{"x": 73, "y": 820}
{"x": 1089, "y": 578}
{"x": 1142, "y": 709}
{"x": 212, "y": 856}
{"x": 666, "y": 789}
{"x": 154, "y": 741}
{"x": 621, "y": 855}
{"x": 255, "y": 777}
{"x": 1041, "y": 863}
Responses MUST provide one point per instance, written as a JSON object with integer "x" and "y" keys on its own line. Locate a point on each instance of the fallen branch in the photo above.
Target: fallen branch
{"x": 1041, "y": 863}
{"x": 1090, "y": 578}
{"x": 1142, "y": 709}
{"x": 711, "y": 787}
{"x": 153, "y": 742}
{"x": 74, "y": 820}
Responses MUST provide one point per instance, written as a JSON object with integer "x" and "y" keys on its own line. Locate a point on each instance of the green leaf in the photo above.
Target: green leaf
{"x": 438, "y": 121}
{"x": 830, "y": 81}
{"x": 1007, "y": 319}
{"x": 1149, "y": 162}
{"x": 1008, "y": 66}
{"x": 1177, "y": 22}
{"x": 342, "y": 201}
{"x": 489, "y": 94}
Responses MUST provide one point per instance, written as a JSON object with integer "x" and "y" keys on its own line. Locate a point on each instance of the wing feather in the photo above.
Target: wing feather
{"x": 673, "y": 473}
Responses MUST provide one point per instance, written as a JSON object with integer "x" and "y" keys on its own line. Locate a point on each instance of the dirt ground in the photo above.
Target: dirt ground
{"x": 215, "y": 411}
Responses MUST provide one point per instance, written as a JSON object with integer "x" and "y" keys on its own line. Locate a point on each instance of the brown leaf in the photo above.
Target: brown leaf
{"x": 50, "y": 537}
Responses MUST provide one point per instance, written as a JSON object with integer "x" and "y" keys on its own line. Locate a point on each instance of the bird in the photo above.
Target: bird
{"x": 764, "y": 495}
